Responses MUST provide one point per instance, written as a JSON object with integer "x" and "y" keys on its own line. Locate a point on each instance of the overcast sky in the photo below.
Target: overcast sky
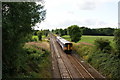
{"x": 89, "y": 13}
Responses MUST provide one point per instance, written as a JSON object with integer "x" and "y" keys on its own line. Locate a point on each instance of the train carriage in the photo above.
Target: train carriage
{"x": 66, "y": 45}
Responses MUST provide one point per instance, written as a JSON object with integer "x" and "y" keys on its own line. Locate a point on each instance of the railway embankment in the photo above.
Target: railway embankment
{"x": 38, "y": 60}
{"x": 107, "y": 63}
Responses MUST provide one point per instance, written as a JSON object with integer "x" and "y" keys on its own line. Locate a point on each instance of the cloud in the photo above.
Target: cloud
{"x": 91, "y": 4}
{"x": 63, "y": 13}
{"x": 92, "y": 23}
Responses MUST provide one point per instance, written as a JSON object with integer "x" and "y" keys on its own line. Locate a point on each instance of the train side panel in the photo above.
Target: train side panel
{"x": 66, "y": 45}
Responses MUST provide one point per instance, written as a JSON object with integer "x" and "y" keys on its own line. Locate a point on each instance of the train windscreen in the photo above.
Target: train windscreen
{"x": 69, "y": 46}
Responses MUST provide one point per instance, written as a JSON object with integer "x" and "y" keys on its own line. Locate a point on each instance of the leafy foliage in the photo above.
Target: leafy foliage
{"x": 87, "y": 31}
{"x": 45, "y": 32}
{"x": 117, "y": 40}
{"x": 75, "y": 33}
{"x": 107, "y": 64}
{"x": 103, "y": 45}
{"x": 100, "y": 31}
{"x": 38, "y": 62}
{"x": 17, "y": 20}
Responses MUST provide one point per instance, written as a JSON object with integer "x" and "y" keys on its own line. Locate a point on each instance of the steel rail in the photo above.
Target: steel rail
{"x": 84, "y": 68}
{"x": 76, "y": 68}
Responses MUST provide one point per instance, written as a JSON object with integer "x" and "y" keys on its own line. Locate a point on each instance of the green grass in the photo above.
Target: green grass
{"x": 91, "y": 39}
{"x": 67, "y": 37}
{"x": 43, "y": 36}
{"x": 35, "y": 38}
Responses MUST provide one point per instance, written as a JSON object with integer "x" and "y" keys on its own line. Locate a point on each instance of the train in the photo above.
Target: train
{"x": 65, "y": 45}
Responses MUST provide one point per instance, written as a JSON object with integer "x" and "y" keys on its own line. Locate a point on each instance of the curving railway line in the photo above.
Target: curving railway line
{"x": 67, "y": 66}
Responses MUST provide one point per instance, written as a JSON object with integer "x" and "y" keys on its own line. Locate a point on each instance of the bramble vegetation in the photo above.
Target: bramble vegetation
{"x": 102, "y": 56}
{"x": 37, "y": 63}
{"x": 103, "y": 45}
{"x": 104, "y": 62}
{"x": 117, "y": 40}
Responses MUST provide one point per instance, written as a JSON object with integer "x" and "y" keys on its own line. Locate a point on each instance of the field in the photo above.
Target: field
{"x": 91, "y": 39}
{"x": 35, "y": 38}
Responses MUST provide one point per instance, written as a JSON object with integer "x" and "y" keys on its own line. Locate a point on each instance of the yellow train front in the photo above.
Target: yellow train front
{"x": 65, "y": 45}
{"x": 68, "y": 47}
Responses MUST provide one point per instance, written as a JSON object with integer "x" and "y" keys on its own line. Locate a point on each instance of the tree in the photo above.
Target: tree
{"x": 18, "y": 18}
{"x": 100, "y": 31}
{"x": 39, "y": 33}
{"x": 45, "y": 32}
{"x": 75, "y": 33}
{"x": 61, "y": 32}
{"x": 35, "y": 32}
{"x": 86, "y": 31}
{"x": 65, "y": 31}
{"x": 56, "y": 31}
{"x": 117, "y": 40}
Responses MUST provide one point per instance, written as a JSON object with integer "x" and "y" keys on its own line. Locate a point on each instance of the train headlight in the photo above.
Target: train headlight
{"x": 65, "y": 48}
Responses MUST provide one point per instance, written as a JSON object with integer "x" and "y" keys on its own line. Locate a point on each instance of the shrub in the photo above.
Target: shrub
{"x": 103, "y": 45}
{"x": 117, "y": 41}
{"x": 107, "y": 64}
{"x": 38, "y": 62}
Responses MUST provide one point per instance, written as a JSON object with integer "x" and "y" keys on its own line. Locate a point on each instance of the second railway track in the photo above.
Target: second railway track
{"x": 80, "y": 68}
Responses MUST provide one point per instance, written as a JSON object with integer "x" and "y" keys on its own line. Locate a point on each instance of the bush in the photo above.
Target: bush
{"x": 37, "y": 62}
{"x": 107, "y": 64}
{"x": 117, "y": 40}
{"x": 103, "y": 45}
{"x": 84, "y": 51}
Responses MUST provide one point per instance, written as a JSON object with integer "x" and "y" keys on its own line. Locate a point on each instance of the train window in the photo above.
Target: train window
{"x": 68, "y": 44}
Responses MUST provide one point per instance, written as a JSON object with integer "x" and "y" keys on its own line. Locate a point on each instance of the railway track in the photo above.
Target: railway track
{"x": 67, "y": 66}
{"x": 80, "y": 68}
{"x": 63, "y": 70}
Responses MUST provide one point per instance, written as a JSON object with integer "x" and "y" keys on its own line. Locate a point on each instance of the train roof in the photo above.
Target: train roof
{"x": 63, "y": 40}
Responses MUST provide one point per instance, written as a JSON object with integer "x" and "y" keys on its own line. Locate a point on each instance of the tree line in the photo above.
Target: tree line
{"x": 75, "y": 32}
{"x": 39, "y": 33}
{"x": 87, "y": 31}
